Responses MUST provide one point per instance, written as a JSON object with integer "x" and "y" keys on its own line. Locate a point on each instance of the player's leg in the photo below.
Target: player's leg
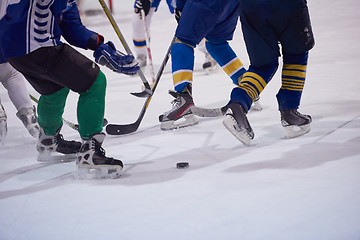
{"x": 296, "y": 41}
{"x": 14, "y": 83}
{"x": 263, "y": 52}
{"x": 138, "y": 35}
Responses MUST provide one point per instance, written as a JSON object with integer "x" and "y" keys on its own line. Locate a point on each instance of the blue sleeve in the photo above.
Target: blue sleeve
{"x": 72, "y": 29}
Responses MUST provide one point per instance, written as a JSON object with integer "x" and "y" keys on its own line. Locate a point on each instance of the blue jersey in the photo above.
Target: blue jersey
{"x": 215, "y": 20}
{"x": 31, "y": 24}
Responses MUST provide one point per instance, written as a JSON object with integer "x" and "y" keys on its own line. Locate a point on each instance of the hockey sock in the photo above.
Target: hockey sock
{"x": 91, "y": 108}
{"x": 252, "y": 84}
{"x": 292, "y": 81}
{"x": 227, "y": 59}
{"x": 182, "y": 58}
{"x": 50, "y": 110}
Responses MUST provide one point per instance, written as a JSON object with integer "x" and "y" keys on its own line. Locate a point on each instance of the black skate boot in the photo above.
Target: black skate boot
{"x": 295, "y": 124}
{"x": 181, "y": 108}
{"x": 237, "y": 123}
{"x": 3, "y": 125}
{"x": 53, "y": 148}
{"x": 29, "y": 119}
{"x": 93, "y": 162}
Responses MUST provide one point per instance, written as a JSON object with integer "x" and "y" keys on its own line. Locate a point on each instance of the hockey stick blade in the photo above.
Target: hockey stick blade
{"x": 118, "y": 129}
{"x": 147, "y": 91}
{"x": 142, "y": 94}
{"x": 209, "y": 112}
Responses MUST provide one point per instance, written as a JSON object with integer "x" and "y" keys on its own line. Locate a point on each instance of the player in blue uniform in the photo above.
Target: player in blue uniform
{"x": 216, "y": 22}
{"x": 30, "y": 32}
{"x": 265, "y": 24}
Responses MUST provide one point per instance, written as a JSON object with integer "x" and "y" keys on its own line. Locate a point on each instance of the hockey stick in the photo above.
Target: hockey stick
{"x": 147, "y": 40}
{"x": 209, "y": 112}
{"x": 147, "y": 92}
{"x": 70, "y": 124}
{"x": 117, "y": 129}
{"x": 217, "y": 112}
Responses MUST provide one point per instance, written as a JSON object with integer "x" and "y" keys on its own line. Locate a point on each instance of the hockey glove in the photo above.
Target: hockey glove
{"x": 107, "y": 55}
{"x": 177, "y": 14}
{"x": 142, "y": 5}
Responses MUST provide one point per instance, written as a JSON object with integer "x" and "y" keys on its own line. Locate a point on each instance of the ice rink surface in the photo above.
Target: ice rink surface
{"x": 275, "y": 189}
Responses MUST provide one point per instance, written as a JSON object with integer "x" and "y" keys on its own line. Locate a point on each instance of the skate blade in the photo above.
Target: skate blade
{"x": 55, "y": 157}
{"x": 97, "y": 172}
{"x": 296, "y": 131}
{"x": 186, "y": 121}
{"x": 231, "y": 125}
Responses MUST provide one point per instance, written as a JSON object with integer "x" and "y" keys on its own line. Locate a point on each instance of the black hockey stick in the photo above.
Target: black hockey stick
{"x": 70, "y": 124}
{"x": 147, "y": 91}
{"x": 117, "y": 129}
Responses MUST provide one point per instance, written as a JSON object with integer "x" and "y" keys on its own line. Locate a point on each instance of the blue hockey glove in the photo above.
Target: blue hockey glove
{"x": 107, "y": 55}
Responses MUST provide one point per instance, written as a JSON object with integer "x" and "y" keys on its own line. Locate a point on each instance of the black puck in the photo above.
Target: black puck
{"x": 182, "y": 165}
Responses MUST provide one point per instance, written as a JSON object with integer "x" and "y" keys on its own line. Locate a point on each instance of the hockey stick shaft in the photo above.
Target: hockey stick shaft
{"x": 124, "y": 43}
{"x": 70, "y": 124}
{"x": 209, "y": 112}
{"x": 117, "y": 129}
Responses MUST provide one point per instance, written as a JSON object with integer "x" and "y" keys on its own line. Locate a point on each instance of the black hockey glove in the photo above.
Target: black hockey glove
{"x": 177, "y": 14}
{"x": 142, "y": 5}
{"x": 107, "y": 55}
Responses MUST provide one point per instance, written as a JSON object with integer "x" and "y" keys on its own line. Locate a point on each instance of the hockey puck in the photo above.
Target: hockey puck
{"x": 182, "y": 165}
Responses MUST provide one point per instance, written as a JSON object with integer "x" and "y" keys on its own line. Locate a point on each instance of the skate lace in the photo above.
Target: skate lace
{"x": 97, "y": 148}
{"x": 175, "y": 104}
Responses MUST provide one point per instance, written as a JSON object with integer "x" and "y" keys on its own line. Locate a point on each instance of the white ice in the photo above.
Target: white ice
{"x": 276, "y": 189}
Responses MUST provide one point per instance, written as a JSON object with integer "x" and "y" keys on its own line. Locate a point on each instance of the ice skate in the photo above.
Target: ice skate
{"x": 210, "y": 64}
{"x": 237, "y": 123}
{"x": 256, "y": 105}
{"x": 141, "y": 59}
{"x": 295, "y": 124}
{"x": 3, "y": 125}
{"x": 29, "y": 119}
{"x": 180, "y": 115}
{"x": 53, "y": 148}
{"x": 92, "y": 162}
